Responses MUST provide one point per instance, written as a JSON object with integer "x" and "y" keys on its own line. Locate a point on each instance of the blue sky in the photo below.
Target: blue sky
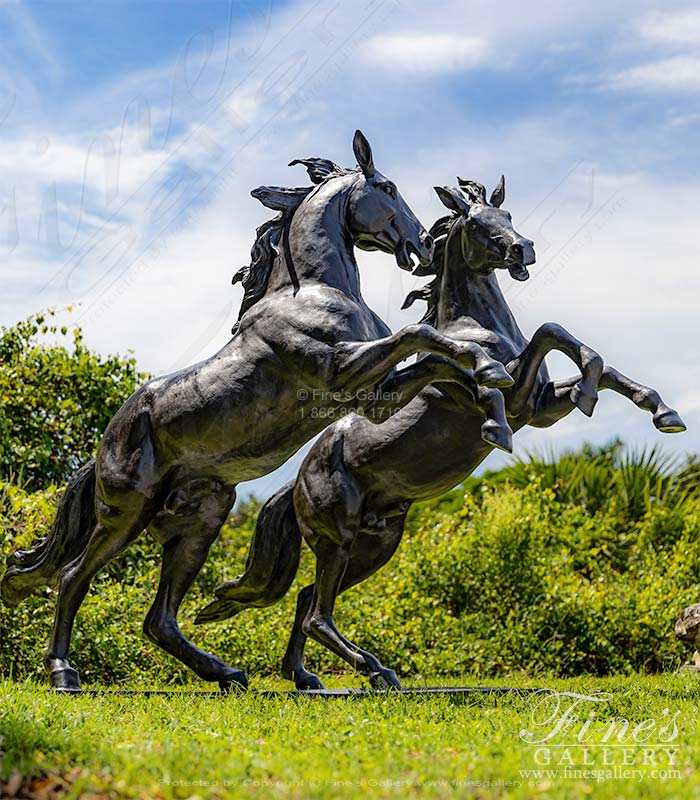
{"x": 131, "y": 134}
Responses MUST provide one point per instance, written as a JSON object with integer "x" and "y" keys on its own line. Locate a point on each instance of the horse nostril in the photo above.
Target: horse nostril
{"x": 427, "y": 241}
{"x": 522, "y": 251}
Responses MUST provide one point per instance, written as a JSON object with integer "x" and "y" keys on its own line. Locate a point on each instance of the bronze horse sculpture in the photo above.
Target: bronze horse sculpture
{"x": 171, "y": 457}
{"x": 356, "y": 485}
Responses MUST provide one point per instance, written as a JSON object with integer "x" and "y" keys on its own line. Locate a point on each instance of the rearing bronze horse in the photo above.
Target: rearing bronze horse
{"x": 357, "y": 483}
{"x": 171, "y": 457}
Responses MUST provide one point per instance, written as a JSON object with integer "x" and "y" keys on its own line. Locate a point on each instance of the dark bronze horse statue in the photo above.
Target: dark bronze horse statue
{"x": 171, "y": 457}
{"x": 354, "y": 489}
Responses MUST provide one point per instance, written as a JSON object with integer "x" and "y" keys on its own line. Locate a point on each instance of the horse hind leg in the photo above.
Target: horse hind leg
{"x": 369, "y": 553}
{"x": 319, "y": 624}
{"x": 112, "y": 533}
{"x": 187, "y": 528}
{"x": 293, "y": 667}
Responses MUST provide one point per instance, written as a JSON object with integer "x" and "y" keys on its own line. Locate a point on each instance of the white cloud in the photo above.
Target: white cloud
{"x": 100, "y": 165}
{"x": 677, "y": 74}
{"x": 664, "y": 27}
{"x": 683, "y": 120}
{"x": 664, "y": 45}
{"x": 426, "y": 54}
{"x": 627, "y": 288}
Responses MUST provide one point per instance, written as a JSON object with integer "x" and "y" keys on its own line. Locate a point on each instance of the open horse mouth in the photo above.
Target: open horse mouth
{"x": 404, "y": 251}
{"x": 518, "y": 271}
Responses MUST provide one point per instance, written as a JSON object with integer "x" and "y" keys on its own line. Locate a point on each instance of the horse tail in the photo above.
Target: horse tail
{"x": 68, "y": 538}
{"x": 273, "y": 560}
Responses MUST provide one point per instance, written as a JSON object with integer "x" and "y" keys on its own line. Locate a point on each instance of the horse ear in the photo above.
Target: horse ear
{"x": 363, "y": 153}
{"x": 452, "y": 199}
{"x": 498, "y": 195}
{"x": 279, "y": 198}
{"x": 318, "y": 168}
{"x": 474, "y": 190}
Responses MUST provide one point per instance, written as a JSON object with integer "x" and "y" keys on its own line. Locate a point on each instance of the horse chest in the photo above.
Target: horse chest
{"x": 327, "y": 315}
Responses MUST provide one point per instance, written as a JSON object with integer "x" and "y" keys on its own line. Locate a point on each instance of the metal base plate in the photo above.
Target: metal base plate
{"x": 326, "y": 694}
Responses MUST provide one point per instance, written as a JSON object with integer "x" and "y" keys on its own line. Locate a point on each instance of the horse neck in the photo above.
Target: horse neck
{"x": 318, "y": 244}
{"x": 467, "y": 295}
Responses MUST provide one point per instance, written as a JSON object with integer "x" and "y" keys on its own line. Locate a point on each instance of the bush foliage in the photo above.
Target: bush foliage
{"x": 515, "y": 572}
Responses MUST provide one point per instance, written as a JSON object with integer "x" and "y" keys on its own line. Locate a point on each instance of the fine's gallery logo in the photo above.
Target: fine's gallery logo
{"x": 580, "y": 737}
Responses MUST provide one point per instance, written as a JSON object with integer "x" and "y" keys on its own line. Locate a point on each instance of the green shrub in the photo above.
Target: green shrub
{"x": 521, "y": 572}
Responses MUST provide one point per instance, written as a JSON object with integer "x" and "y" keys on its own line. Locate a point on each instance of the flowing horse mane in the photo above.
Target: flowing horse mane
{"x": 440, "y": 231}
{"x": 431, "y": 291}
{"x": 271, "y": 236}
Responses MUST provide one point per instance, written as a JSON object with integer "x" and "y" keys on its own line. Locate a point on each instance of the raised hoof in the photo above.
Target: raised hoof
{"x": 493, "y": 376}
{"x": 384, "y": 679}
{"x": 498, "y": 436}
{"x": 669, "y": 421}
{"x": 309, "y": 682}
{"x": 235, "y": 681}
{"x": 584, "y": 401}
{"x": 65, "y": 679}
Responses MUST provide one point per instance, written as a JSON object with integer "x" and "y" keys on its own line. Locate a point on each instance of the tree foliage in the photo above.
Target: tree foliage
{"x": 56, "y": 398}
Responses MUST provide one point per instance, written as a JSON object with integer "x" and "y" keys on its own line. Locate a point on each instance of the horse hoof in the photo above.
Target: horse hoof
{"x": 498, "y": 436}
{"x": 65, "y": 679}
{"x": 669, "y": 421}
{"x": 583, "y": 400}
{"x": 309, "y": 682}
{"x": 494, "y": 376}
{"x": 384, "y": 679}
{"x": 235, "y": 681}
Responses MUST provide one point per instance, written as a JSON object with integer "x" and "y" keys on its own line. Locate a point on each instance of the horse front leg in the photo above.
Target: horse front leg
{"x": 364, "y": 364}
{"x": 665, "y": 418}
{"x": 554, "y": 402}
{"x": 525, "y": 368}
{"x": 401, "y": 386}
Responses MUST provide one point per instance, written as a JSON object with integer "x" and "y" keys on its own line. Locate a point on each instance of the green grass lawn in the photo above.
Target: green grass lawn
{"x": 185, "y": 746}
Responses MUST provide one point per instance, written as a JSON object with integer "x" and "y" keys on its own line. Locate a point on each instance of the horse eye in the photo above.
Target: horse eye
{"x": 389, "y": 188}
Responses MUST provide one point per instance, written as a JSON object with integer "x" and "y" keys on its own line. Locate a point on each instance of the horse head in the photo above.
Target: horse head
{"x": 489, "y": 240}
{"x": 376, "y": 215}
{"x": 379, "y": 217}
